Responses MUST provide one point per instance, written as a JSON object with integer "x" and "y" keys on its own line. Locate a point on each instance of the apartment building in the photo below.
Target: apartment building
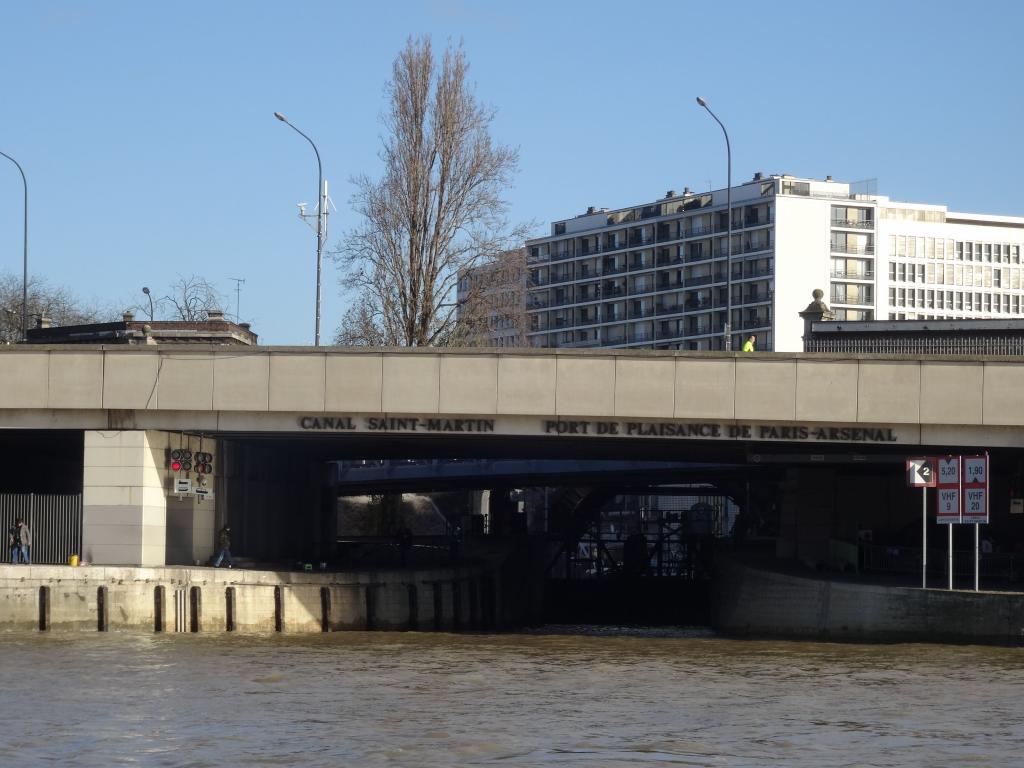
{"x": 661, "y": 275}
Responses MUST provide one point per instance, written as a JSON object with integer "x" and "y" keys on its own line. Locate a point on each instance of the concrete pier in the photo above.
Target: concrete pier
{"x": 168, "y": 599}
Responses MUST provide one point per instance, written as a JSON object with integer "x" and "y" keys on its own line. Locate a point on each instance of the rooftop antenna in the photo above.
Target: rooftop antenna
{"x": 238, "y": 295}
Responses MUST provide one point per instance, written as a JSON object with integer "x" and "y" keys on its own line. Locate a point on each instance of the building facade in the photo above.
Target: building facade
{"x": 662, "y": 276}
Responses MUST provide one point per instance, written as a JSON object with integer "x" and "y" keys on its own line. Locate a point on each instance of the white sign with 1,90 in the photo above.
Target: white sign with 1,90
{"x": 975, "y": 489}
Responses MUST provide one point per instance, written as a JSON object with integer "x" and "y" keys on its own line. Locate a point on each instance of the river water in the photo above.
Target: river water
{"x": 560, "y": 697}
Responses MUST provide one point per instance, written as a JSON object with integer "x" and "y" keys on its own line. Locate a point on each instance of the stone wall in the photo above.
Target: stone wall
{"x": 751, "y": 602}
{"x": 220, "y": 600}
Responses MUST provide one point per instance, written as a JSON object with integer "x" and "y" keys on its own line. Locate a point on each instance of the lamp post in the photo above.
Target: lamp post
{"x": 24, "y": 267}
{"x": 321, "y": 215}
{"x": 149, "y": 296}
{"x": 728, "y": 198}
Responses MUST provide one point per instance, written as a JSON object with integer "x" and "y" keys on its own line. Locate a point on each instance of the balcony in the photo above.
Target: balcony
{"x": 705, "y": 279}
{"x": 671, "y": 333}
{"x": 697, "y": 231}
{"x": 854, "y": 223}
{"x": 755, "y": 297}
{"x": 693, "y": 305}
{"x": 643, "y": 288}
{"x": 641, "y": 264}
{"x": 852, "y": 297}
{"x": 583, "y": 343}
{"x": 858, "y": 274}
{"x": 664, "y": 237}
{"x": 536, "y": 302}
{"x": 667, "y": 309}
{"x": 856, "y": 250}
{"x": 613, "y": 270}
{"x": 636, "y": 240}
{"x": 640, "y": 314}
{"x": 668, "y": 261}
{"x": 590, "y": 250}
{"x": 641, "y": 337}
{"x": 613, "y": 246}
{"x": 561, "y": 255}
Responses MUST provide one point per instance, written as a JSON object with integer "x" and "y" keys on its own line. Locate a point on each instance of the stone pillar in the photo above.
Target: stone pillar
{"x": 124, "y": 503}
{"x": 816, "y": 311}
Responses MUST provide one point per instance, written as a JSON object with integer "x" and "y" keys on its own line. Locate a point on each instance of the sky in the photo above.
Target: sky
{"x": 147, "y": 134}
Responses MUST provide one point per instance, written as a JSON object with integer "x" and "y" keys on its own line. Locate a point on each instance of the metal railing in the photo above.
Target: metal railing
{"x": 863, "y": 250}
{"x": 54, "y": 522}
{"x": 856, "y": 274}
{"x": 854, "y": 223}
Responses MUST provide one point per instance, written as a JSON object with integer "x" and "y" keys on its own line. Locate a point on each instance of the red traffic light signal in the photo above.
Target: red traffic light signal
{"x": 181, "y": 460}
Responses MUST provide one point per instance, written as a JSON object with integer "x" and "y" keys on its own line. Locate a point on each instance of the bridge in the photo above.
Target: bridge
{"x": 274, "y": 417}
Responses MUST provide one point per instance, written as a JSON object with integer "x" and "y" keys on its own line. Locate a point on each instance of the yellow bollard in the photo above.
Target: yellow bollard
{"x": 73, "y": 561}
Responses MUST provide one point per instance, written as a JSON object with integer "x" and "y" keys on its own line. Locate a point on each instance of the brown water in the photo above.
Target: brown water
{"x": 565, "y": 698}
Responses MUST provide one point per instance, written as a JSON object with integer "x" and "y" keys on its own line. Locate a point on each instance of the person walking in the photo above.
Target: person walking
{"x": 224, "y": 542}
{"x": 19, "y": 538}
{"x": 750, "y": 344}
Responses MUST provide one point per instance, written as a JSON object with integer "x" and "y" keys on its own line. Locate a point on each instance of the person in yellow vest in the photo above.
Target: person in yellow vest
{"x": 750, "y": 344}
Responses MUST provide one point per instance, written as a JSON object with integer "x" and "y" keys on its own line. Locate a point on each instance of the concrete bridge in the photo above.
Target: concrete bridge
{"x": 270, "y": 414}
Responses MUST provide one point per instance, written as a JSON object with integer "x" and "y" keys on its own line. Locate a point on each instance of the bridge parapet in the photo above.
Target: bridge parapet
{"x": 209, "y": 387}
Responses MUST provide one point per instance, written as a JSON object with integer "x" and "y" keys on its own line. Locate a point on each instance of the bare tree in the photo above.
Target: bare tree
{"x": 57, "y": 303}
{"x": 189, "y": 299}
{"x": 437, "y": 209}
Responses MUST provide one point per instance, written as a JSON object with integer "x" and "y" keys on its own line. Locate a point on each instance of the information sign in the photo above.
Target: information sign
{"x": 921, "y": 472}
{"x": 947, "y": 497}
{"x": 182, "y": 485}
{"x": 975, "y": 489}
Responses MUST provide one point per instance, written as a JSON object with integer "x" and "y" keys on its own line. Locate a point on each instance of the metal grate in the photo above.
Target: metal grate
{"x": 55, "y": 522}
{"x": 932, "y": 344}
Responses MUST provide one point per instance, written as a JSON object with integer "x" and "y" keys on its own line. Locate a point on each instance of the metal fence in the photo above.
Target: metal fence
{"x": 55, "y": 522}
{"x": 998, "y": 567}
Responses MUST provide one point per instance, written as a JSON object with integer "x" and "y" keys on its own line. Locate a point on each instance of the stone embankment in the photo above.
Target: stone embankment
{"x": 102, "y": 598}
{"x": 755, "y": 602}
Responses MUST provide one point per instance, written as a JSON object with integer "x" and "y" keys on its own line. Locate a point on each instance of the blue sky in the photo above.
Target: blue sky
{"x": 147, "y": 134}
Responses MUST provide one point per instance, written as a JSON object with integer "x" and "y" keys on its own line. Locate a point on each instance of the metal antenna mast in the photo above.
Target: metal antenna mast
{"x": 238, "y": 296}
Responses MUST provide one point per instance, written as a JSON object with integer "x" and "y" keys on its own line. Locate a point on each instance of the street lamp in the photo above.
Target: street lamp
{"x": 321, "y": 220}
{"x": 24, "y": 267}
{"x": 728, "y": 198}
{"x": 149, "y": 296}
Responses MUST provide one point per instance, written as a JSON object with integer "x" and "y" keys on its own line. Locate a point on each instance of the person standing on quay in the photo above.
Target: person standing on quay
{"x": 224, "y": 541}
{"x": 750, "y": 344}
{"x": 19, "y": 538}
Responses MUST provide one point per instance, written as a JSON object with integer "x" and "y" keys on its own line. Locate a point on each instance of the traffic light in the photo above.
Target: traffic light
{"x": 204, "y": 463}
{"x": 181, "y": 460}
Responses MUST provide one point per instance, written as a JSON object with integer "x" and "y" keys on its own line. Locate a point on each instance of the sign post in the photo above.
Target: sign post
{"x": 947, "y": 508}
{"x": 921, "y": 474}
{"x": 975, "y": 484}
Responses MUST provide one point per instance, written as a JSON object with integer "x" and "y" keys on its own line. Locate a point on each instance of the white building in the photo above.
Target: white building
{"x": 655, "y": 275}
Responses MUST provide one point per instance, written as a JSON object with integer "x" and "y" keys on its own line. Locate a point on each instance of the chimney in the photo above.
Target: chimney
{"x": 670, "y": 193}
{"x": 43, "y": 322}
{"x": 216, "y": 315}
{"x": 828, "y": 178}
{"x": 686, "y": 191}
{"x": 245, "y": 326}
{"x": 591, "y": 209}
{"x": 758, "y": 176}
{"x": 128, "y": 316}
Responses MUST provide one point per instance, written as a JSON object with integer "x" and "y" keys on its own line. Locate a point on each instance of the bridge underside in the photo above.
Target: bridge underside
{"x": 280, "y": 491}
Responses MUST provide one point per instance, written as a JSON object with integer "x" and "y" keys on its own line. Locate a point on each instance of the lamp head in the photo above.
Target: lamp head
{"x": 702, "y": 102}
{"x": 281, "y": 117}
{"x": 145, "y": 290}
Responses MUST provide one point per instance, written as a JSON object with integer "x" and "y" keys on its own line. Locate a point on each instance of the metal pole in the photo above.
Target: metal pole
{"x": 924, "y": 538}
{"x": 319, "y": 221}
{"x": 728, "y": 197}
{"x": 24, "y": 266}
{"x": 950, "y": 556}
{"x": 977, "y": 557}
